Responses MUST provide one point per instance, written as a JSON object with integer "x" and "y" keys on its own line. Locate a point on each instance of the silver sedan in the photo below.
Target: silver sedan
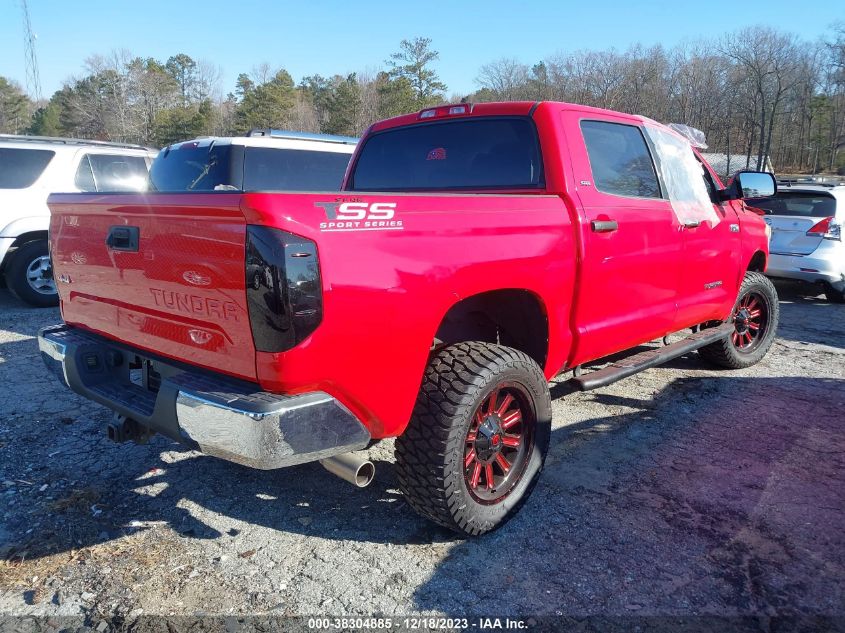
{"x": 806, "y": 242}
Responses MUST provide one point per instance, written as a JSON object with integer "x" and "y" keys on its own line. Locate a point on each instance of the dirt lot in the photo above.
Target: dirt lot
{"x": 681, "y": 491}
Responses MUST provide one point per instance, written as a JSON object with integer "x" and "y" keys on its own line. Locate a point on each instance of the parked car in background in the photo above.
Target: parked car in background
{"x": 806, "y": 242}
{"x": 263, "y": 160}
{"x": 33, "y": 167}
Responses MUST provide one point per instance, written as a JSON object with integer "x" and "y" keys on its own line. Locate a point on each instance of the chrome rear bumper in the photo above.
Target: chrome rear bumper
{"x": 220, "y": 416}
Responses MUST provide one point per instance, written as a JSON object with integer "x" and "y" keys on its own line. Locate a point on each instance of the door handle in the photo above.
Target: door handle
{"x": 604, "y": 226}
{"x": 123, "y": 238}
{"x": 691, "y": 224}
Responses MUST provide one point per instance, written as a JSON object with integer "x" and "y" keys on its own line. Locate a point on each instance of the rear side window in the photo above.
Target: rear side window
{"x": 84, "y": 179}
{"x": 472, "y": 153}
{"x": 194, "y": 167}
{"x": 20, "y": 168}
{"x": 806, "y": 205}
{"x": 268, "y": 169}
{"x": 620, "y": 160}
{"x": 114, "y": 172}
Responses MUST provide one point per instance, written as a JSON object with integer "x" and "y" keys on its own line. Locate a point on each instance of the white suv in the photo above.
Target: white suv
{"x": 33, "y": 167}
{"x": 263, "y": 160}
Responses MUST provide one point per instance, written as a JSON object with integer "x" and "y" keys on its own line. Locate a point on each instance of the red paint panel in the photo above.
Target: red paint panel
{"x": 385, "y": 292}
{"x": 180, "y": 295}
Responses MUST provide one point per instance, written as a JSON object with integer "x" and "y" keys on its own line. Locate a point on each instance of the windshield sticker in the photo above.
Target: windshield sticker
{"x": 438, "y": 153}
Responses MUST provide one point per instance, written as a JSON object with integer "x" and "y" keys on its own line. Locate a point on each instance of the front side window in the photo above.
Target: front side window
{"x": 481, "y": 153}
{"x": 113, "y": 172}
{"x": 684, "y": 176}
{"x": 620, "y": 160}
{"x": 20, "y": 168}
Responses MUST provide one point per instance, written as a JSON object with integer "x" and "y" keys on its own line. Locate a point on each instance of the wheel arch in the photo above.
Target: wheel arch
{"x": 20, "y": 240}
{"x": 513, "y": 317}
{"x": 757, "y": 263}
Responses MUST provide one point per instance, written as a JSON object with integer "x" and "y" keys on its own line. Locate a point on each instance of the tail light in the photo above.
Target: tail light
{"x": 447, "y": 110}
{"x": 826, "y": 228}
{"x": 283, "y": 288}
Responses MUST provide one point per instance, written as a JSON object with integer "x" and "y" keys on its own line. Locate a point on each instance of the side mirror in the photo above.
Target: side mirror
{"x": 750, "y": 184}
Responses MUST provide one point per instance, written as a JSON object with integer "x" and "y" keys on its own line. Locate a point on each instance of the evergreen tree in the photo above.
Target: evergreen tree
{"x": 412, "y": 62}
{"x": 15, "y": 107}
{"x": 267, "y": 105}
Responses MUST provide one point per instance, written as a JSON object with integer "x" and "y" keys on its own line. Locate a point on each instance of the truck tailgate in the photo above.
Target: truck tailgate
{"x": 160, "y": 272}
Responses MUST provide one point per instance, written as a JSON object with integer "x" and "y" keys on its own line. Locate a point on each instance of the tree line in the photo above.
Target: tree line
{"x": 755, "y": 92}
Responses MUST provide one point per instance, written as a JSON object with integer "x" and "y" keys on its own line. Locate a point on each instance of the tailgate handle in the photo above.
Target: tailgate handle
{"x": 123, "y": 238}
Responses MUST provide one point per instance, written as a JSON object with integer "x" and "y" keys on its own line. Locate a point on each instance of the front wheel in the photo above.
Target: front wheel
{"x": 477, "y": 439}
{"x": 755, "y": 319}
{"x": 29, "y": 275}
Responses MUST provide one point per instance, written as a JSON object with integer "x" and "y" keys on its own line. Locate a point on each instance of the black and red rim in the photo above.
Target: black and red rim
{"x": 751, "y": 321}
{"x": 499, "y": 443}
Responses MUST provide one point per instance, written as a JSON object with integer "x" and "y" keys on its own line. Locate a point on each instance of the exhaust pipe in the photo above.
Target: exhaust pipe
{"x": 352, "y": 468}
{"x": 123, "y": 429}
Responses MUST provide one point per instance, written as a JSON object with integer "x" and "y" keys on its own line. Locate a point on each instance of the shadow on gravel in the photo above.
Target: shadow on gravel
{"x": 809, "y": 319}
{"x": 720, "y": 495}
{"x": 21, "y": 318}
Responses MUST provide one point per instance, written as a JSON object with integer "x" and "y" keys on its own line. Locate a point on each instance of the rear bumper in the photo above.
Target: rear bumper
{"x": 826, "y": 264}
{"x": 220, "y": 416}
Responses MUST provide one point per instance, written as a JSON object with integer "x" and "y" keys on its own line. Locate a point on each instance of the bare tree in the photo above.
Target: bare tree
{"x": 768, "y": 60}
{"x": 507, "y": 78}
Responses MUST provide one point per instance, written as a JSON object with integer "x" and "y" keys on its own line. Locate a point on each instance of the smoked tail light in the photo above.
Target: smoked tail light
{"x": 283, "y": 288}
{"x": 827, "y": 228}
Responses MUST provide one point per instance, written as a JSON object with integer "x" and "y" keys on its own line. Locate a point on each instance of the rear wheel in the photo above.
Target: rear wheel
{"x": 477, "y": 438}
{"x": 833, "y": 295}
{"x": 29, "y": 275}
{"x": 755, "y": 319}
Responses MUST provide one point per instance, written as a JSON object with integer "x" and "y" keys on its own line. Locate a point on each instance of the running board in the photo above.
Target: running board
{"x": 650, "y": 358}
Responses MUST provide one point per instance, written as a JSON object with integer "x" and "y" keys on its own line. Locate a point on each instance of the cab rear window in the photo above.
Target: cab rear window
{"x": 807, "y": 205}
{"x": 472, "y": 153}
{"x": 20, "y": 168}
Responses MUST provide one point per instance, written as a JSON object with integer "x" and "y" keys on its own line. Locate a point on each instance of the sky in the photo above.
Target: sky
{"x": 332, "y": 37}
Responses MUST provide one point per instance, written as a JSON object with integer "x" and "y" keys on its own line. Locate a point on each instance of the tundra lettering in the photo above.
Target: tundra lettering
{"x": 191, "y": 304}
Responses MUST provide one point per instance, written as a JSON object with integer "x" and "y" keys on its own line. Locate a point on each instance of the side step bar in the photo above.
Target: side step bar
{"x": 650, "y": 358}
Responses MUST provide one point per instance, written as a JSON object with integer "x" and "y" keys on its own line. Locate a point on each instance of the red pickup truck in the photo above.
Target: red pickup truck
{"x": 473, "y": 253}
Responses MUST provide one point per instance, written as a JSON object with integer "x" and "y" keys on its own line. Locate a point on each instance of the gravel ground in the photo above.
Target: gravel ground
{"x": 680, "y": 491}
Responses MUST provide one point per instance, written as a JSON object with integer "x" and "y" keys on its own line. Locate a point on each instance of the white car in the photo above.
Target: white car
{"x": 31, "y": 168}
{"x": 263, "y": 160}
{"x": 806, "y": 242}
